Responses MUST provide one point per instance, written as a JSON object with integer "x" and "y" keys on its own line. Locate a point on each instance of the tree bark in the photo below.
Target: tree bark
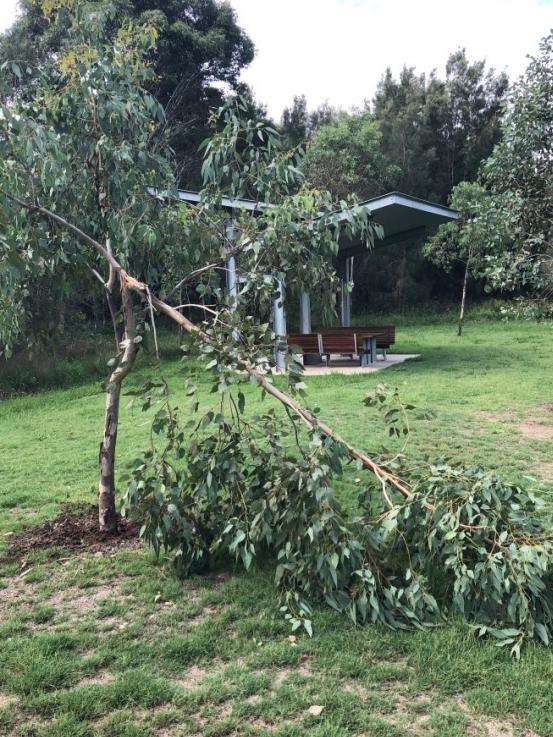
{"x": 107, "y": 512}
{"x": 463, "y": 299}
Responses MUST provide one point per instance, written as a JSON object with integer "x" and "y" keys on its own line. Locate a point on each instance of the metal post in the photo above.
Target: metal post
{"x": 279, "y": 328}
{"x": 232, "y": 284}
{"x": 305, "y": 312}
{"x": 345, "y": 313}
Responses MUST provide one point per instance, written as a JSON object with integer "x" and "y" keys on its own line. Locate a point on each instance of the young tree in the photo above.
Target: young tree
{"x": 85, "y": 147}
{"x": 86, "y": 154}
{"x": 472, "y": 241}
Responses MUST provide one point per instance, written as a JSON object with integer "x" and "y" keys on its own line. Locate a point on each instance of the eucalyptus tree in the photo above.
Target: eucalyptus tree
{"x": 472, "y": 242}
{"x": 200, "y": 51}
{"x": 84, "y": 145}
{"x": 83, "y": 163}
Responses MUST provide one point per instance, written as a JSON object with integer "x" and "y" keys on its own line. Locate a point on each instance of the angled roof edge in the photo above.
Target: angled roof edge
{"x": 186, "y": 195}
{"x": 374, "y": 204}
{"x": 406, "y": 200}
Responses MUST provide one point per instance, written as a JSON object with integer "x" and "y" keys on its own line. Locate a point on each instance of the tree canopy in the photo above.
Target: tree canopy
{"x": 199, "y": 47}
{"x": 508, "y": 216}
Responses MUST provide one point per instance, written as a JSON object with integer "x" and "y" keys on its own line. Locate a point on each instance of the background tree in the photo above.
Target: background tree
{"x": 438, "y": 131}
{"x": 295, "y": 122}
{"x": 519, "y": 177}
{"x": 200, "y": 51}
{"x": 346, "y": 157}
{"x": 408, "y": 142}
{"x": 507, "y": 217}
{"x": 298, "y": 125}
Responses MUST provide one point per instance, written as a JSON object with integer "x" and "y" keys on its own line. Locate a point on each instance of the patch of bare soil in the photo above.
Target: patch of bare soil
{"x": 491, "y": 727}
{"x": 534, "y": 425}
{"x": 75, "y": 529}
{"x": 191, "y": 679}
{"x": 544, "y": 471}
{"x": 535, "y": 430}
{"x": 99, "y": 679}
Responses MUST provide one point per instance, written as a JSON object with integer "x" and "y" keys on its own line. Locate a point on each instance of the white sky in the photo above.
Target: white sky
{"x": 336, "y": 50}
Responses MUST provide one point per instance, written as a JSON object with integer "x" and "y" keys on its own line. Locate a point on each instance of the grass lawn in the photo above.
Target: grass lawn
{"x": 113, "y": 644}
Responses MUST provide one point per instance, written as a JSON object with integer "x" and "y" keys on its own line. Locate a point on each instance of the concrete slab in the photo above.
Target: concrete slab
{"x": 344, "y": 366}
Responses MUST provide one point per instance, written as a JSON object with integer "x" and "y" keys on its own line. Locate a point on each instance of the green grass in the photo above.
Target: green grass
{"x": 115, "y": 645}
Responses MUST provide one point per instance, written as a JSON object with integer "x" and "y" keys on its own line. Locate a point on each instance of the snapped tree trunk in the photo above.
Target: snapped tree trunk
{"x": 107, "y": 512}
{"x": 463, "y": 299}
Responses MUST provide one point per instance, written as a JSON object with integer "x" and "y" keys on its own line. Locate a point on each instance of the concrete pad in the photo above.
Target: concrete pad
{"x": 344, "y": 366}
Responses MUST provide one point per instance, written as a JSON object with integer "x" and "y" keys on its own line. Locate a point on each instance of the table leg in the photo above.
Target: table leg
{"x": 369, "y": 351}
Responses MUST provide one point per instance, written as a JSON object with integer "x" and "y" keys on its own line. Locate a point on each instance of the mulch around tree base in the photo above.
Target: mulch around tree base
{"x": 75, "y": 529}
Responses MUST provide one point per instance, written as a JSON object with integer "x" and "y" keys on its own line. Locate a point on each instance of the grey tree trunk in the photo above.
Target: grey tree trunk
{"x": 107, "y": 512}
{"x": 463, "y": 299}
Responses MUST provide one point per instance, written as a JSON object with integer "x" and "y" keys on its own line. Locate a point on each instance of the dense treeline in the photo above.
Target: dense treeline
{"x": 420, "y": 135}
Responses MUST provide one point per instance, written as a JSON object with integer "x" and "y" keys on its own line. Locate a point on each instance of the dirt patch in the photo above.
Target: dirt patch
{"x": 6, "y": 700}
{"x": 99, "y": 679}
{"x": 491, "y": 727}
{"x": 535, "y": 430}
{"x": 208, "y": 613}
{"x": 504, "y": 417}
{"x": 75, "y": 529}
{"x": 530, "y": 427}
{"x": 88, "y": 599}
{"x": 191, "y": 679}
{"x": 544, "y": 471}
{"x": 497, "y": 728}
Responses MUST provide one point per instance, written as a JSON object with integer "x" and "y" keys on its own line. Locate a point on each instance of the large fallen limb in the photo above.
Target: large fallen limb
{"x": 129, "y": 282}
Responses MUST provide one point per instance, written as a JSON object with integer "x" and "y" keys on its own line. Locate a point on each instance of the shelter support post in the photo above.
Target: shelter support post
{"x": 232, "y": 283}
{"x": 279, "y": 328}
{"x": 347, "y": 279}
{"x": 305, "y": 312}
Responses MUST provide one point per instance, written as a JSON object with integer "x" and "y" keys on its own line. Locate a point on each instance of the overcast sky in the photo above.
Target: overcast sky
{"x": 336, "y": 50}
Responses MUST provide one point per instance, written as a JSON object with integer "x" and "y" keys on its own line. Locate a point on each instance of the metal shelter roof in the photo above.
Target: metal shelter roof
{"x": 401, "y": 216}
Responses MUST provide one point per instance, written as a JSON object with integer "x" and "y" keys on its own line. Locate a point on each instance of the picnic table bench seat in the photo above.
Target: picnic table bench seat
{"x": 385, "y": 334}
{"x": 353, "y": 341}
